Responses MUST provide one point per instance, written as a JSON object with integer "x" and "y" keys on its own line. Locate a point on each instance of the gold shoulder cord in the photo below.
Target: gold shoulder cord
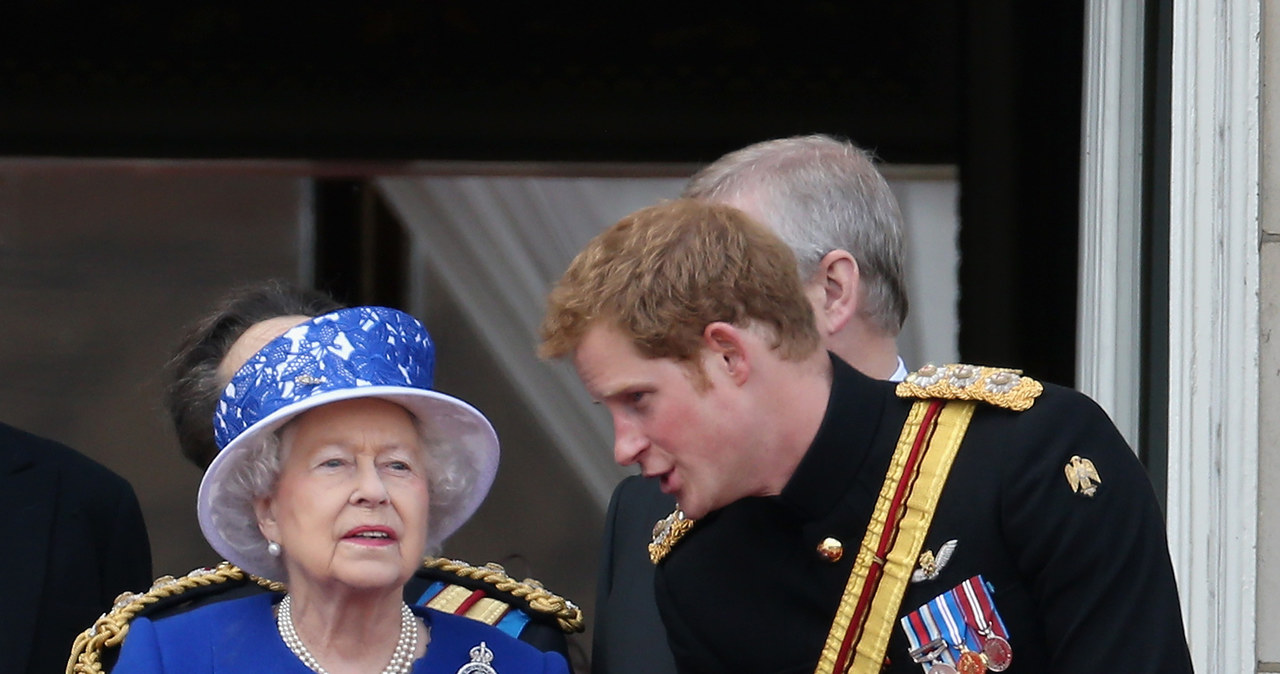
{"x": 859, "y": 634}
{"x": 567, "y": 614}
{"x": 110, "y": 630}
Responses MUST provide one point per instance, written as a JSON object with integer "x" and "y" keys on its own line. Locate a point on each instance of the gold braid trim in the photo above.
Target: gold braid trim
{"x": 667, "y": 532}
{"x": 110, "y": 630}
{"x": 566, "y": 613}
{"x": 996, "y": 386}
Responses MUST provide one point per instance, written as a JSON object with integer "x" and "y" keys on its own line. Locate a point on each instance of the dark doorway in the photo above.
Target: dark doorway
{"x": 990, "y": 86}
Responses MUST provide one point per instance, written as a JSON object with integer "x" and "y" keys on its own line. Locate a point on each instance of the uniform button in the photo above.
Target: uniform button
{"x": 831, "y": 549}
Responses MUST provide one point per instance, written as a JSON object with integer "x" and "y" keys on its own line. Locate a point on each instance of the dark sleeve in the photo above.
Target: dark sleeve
{"x": 98, "y": 548}
{"x": 1098, "y": 568}
{"x": 126, "y": 556}
{"x": 629, "y": 635}
{"x": 604, "y": 585}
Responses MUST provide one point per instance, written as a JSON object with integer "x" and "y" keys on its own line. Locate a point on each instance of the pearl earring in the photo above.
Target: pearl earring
{"x": 273, "y": 548}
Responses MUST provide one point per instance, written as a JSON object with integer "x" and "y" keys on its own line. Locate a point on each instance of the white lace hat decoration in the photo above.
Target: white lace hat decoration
{"x": 359, "y": 352}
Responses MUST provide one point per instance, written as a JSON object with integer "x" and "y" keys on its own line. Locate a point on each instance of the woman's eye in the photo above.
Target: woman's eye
{"x": 398, "y": 465}
{"x": 332, "y": 463}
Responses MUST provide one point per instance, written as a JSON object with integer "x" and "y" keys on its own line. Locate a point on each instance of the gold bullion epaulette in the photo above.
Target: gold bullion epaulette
{"x": 666, "y": 533}
{"x": 996, "y": 386}
{"x": 486, "y": 593}
{"x": 109, "y": 630}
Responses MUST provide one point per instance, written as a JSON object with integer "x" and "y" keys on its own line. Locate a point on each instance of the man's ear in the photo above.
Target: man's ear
{"x": 727, "y": 346}
{"x": 265, "y": 512}
{"x": 835, "y": 290}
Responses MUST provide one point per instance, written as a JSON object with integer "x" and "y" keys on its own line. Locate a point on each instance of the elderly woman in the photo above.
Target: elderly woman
{"x": 339, "y": 468}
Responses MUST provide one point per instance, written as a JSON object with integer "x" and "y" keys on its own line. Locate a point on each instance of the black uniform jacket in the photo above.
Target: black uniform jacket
{"x": 1083, "y": 584}
{"x": 74, "y": 540}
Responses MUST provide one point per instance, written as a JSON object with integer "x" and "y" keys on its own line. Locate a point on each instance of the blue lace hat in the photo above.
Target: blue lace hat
{"x": 351, "y": 353}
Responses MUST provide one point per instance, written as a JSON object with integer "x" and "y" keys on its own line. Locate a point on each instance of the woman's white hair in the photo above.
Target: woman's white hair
{"x": 256, "y": 474}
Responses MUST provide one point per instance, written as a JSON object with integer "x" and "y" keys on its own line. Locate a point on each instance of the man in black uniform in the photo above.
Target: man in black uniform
{"x": 968, "y": 519}
{"x": 826, "y": 200}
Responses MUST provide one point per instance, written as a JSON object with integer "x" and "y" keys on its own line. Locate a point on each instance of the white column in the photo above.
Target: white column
{"x": 1108, "y": 339}
{"x": 1213, "y": 327}
{"x": 1269, "y": 345}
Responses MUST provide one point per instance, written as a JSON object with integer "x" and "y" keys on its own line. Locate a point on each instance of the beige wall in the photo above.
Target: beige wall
{"x": 99, "y": 269}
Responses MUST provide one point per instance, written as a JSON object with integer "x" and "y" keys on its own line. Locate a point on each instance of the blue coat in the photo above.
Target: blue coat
{"x": 240, "y": 636}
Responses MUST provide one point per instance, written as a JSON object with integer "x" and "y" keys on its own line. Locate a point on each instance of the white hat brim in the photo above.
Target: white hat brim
{"x": 467, "y": 432}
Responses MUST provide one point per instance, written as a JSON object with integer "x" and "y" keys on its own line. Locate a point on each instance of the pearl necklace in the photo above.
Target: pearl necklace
{"x": 401, "y": 659}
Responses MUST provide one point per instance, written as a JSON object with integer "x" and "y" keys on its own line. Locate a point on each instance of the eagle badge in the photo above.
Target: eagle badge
{"x": 930, "y": 565}
{"x": 1082, "y": 476}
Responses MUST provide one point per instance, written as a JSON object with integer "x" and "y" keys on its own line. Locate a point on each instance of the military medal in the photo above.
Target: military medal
{"x": 998, "y": 652}
{"x": 971, "y": 663}
{"x": 959, "y": 632}
{"x": 951, "y": 619}
{"x": 930, "y": 655}
{"x": 940, "y": 640}
{"x": 980, "y": 613}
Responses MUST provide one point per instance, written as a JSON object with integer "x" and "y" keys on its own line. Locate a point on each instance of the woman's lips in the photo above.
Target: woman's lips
{"x": 371, "y": 535}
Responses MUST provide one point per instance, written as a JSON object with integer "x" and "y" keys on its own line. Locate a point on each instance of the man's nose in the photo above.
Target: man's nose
{"x": 628, "y": 443}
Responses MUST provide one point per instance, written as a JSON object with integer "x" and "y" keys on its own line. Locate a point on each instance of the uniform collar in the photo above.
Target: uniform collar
{"x": 849, "y": 428}
{"x": 900, "y": 373}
